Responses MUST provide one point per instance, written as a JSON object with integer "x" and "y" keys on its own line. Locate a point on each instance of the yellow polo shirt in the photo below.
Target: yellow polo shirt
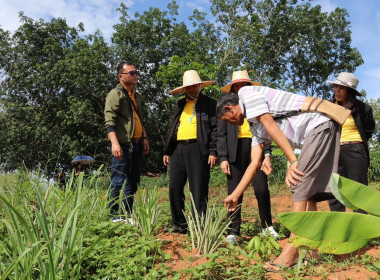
{"x": 187, "y": 129}
{"x": 138, "y": 125}
{"x": 244, "y": 130}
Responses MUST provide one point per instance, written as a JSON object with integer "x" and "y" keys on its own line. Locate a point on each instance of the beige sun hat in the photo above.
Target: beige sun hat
{"x": 348, "y": 80}
{"x": 190, "y": 78}
{"x": 238, "y": 77}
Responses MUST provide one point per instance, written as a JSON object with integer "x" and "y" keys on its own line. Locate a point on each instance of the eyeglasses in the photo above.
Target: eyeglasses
{"x": 131, "y": 73}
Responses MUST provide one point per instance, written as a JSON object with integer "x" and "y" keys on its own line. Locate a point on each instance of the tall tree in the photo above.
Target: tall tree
{"x": 53, "y": 94}
{"x": 286, "y": 43}
{"x": 375, "y": 104}
{"x": 154, "y": 40}
{"x": 53, "y": 80}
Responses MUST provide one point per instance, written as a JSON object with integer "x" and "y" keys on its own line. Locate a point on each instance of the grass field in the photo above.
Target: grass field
{"x": 47, "y": 233}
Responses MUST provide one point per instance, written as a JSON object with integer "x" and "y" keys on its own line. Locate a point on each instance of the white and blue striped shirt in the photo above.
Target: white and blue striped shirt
{"x": 257, "y": 100}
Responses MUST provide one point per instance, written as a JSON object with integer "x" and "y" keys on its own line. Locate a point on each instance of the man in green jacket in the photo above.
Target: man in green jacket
{"x": 128, "y": 139}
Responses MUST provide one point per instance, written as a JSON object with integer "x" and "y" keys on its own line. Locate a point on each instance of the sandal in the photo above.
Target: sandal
{"x": 280, "y": 266}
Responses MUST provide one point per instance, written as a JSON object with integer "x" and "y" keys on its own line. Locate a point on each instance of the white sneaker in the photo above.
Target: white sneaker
{"x": 131, "y": 221}
{"x": 231, "y": 238}
{"x": 270, "y": 230}
{"x": 117, "y": 220}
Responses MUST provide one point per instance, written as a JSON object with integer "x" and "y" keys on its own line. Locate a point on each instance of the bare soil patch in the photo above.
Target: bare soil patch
{"x": 177, "y": 245}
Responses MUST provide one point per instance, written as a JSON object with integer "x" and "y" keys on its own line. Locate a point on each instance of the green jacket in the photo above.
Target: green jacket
{"x": 119, "y": 114}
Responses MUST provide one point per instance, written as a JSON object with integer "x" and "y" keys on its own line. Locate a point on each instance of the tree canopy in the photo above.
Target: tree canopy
{"x": 54, "y": 79}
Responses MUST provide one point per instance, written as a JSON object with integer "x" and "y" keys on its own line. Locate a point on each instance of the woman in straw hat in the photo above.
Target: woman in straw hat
{"x": 190, "y": 147}
{"x": 234, "y": 150}
{"x": 356, "y": 131}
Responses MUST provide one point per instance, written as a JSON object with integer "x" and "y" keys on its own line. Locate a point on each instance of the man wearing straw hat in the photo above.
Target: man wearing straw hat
{"x": 190, "y": 147}
{"x": 234, "y": 152}
{"x": 279, "y": 116}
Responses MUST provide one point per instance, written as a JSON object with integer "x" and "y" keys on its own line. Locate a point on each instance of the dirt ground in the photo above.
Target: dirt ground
{"x": 181, "y": 258}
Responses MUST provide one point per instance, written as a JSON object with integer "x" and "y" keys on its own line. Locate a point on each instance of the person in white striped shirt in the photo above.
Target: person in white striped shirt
{"x": 274, "y": 115}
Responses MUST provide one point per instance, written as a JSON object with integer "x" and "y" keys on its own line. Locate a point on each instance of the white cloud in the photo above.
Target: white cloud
{"x": 200, "y": 5}
{"x": 95, "y": 14}
{"x": 326, "y": 5}
{"x": 194, "y": 5}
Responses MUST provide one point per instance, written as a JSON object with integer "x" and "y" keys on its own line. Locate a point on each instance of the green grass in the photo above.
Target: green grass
{"x": 67, "y": 235}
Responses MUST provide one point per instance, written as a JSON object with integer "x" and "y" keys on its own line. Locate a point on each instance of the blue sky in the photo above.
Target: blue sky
{"x": 102, "y": 15}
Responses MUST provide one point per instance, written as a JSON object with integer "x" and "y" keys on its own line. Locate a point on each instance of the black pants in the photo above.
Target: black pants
{"x": 353, "y": 164}
{"x": 187, "y": 163}
{"x": 260, "y": 186}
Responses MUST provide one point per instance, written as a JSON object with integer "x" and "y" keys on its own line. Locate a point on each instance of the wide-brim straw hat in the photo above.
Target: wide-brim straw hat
{"x": 239, "y": 77}
{"x": 348, "y": 80}
{"x": 190, "y": 78}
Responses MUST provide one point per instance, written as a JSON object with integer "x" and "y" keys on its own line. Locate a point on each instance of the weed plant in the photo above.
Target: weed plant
{"x": 207, "y": 230}
{"x": 217, "y": 177}
{"x": 42, "y": 234}
{"x": 124, "y": 254}
{"x": 232, "y": 262}
{"x": 263, "y": 246}
{"x": 146, "y": 211}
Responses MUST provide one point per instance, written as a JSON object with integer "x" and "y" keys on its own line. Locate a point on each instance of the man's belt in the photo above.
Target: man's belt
{"x": 136, "y": 140}
{"x": 187, "y": 141}
{"x": 334, "y": 111}
{"x": 350, "y": 142}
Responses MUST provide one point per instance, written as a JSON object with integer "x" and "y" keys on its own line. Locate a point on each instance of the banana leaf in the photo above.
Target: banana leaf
{"x": 329, "y": 247}
{"x": 332, "y": 226}
{"x": 357, "y": 195}
{"x": 336, "y": 185}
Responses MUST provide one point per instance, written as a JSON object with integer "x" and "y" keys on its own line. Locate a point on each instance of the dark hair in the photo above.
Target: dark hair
{"x": 246, "y": 84}
{"x": 351, "y": 103}
{"x": 225, "y": 99}
{"x": 121, "y": 65}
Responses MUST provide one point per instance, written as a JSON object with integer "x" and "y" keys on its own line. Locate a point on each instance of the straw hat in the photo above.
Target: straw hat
{"x": 238, "y": 77}
{"x": 348, "y": 80}
{"x": 190, "y": 78}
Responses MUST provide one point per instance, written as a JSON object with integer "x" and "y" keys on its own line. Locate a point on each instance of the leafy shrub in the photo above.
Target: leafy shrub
{"x": 124, "y": 254}
{"x": 374, "y": 168}
{"x": 154, "y": 182}
{"x": 279, "y": 170}
{"x": 264, "y": 246}
{"x": 217, "y": 177}
{"x": 233, "y": 262}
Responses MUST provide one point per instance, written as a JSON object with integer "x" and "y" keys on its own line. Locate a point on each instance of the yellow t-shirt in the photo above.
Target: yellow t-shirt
{"x": 244, "y": 130}
{"x": 138, "y": 125}
{"x": 350, "y": 131}
{"x": 187, "y": 129}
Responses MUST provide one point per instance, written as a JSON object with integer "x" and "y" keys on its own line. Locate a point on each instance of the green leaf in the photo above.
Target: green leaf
{"x": 336, "y": 184}
{"x": 359, "y": 195}
{"x": 332, "y": 226}
{"x": 329, "y": 247}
